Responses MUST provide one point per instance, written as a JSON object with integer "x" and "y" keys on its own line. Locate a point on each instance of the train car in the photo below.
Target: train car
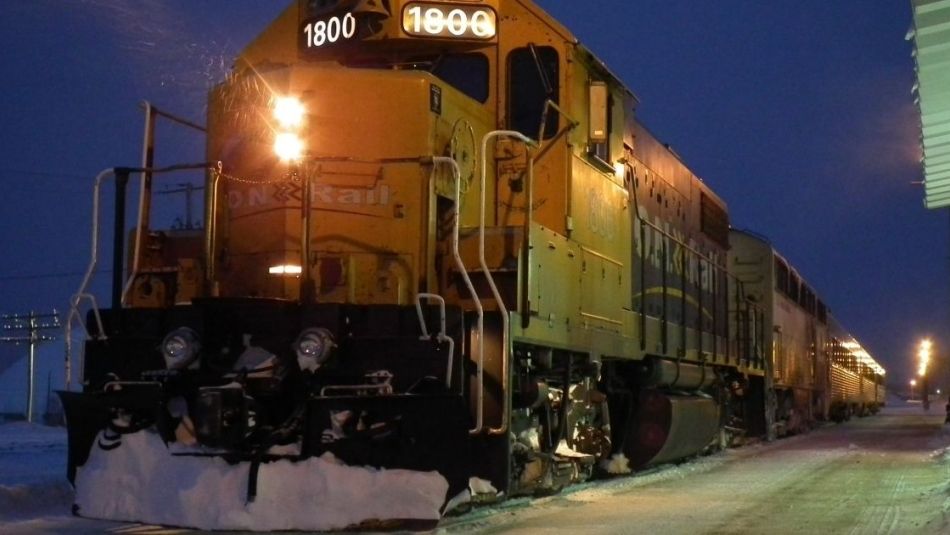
{"x": 436, "y": 238}
{"x": 857, "y": 380}
{"x": 815, "y": 370}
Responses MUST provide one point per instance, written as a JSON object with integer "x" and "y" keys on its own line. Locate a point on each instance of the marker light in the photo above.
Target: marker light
{"x": 289, "y": 112}
{"x": 313, "y": 348}
{"x": 285, "y": 270}
{"x": 180, "y": 347}
{"x": 288, "y": 147}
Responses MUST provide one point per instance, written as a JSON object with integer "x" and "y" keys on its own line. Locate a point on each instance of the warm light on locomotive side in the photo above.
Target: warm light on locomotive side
{"x": 288, "y": 147}
{"x": 289, "y": 112}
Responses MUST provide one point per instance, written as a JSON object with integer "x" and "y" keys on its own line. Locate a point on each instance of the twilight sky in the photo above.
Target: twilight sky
{"x": 798, "y": 113}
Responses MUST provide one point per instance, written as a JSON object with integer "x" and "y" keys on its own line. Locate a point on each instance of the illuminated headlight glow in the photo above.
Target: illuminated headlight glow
{"x": 180, "y": 347}
{"x": 313, "y": 348}
{"x": 289, "y": 112}
{"x": 620, "y": 169}
{"x": 288, "y": 147}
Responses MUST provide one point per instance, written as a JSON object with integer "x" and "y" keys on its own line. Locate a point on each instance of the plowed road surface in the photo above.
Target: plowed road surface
{"x": 889, "y": 473}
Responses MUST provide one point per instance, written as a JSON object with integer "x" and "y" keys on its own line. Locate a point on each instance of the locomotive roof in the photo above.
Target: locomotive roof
{"x": 663, "y": 160}
{"x": 767, "y": 243}
{"x": 288, "y": 19}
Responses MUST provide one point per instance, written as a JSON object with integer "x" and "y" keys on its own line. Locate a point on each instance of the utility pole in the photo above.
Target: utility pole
{"x": 28, "y": 329}
{"x": 188, "y": 189}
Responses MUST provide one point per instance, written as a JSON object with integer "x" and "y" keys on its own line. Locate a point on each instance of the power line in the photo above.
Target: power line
{"x": 39, "y": 276}
{"x": 12, "y": 171}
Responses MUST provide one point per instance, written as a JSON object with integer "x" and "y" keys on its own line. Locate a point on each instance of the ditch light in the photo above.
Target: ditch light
{"x": 289, "y": 113}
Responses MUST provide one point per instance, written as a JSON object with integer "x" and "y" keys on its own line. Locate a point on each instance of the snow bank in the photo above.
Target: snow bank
{"x": 22, "y": 501}
{"x": 140, "y": 481}
{"x": 32, "y": 470}
{"x": 26, "y": 436}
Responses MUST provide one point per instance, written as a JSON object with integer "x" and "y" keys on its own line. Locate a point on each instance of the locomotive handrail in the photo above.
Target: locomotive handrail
{"x": 82, "y": 292}
{"x": 685, "y": 246}
{"x": 148, "y": 156}
{"x": 148, "y": 159}
{"x": 457, "y": 257}
{"x": 526, "y": 248}
{"x": 505, "y": 350}
{"x": 441, "y": 337}
{"x": 211, "y": 218}
{"x": 572, "y": 124}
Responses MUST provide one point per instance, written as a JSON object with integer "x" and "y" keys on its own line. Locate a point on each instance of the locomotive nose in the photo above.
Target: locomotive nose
{"x": 321, "y": 148}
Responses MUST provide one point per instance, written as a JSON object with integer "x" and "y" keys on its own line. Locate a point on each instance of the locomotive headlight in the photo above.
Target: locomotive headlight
{"x": 180, "y": 347}
{"x": 313, "y": 348}
{"x": 289, "y": 112}
{"x": 288, "y": 147}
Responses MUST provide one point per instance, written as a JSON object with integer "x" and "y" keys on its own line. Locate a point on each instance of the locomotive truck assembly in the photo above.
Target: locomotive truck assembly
{"x": 438, "y": 238}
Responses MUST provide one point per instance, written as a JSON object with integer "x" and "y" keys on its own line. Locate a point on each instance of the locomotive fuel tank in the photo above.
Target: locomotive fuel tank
{"x": 669, "y": 427}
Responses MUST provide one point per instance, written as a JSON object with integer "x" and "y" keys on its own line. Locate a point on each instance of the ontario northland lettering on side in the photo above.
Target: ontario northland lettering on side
{"x": 278, "y": 194}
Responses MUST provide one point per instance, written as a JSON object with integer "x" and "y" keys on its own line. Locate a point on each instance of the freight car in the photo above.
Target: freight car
{"x": 437, "y": 238}
{"x": 816, "y": 370}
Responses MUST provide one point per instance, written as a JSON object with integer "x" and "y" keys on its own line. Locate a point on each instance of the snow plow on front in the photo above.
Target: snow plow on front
{"x": 441, "y": 261}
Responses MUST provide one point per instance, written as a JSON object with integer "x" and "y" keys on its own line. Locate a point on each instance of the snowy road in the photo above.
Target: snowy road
{"x": 885, "y": 474}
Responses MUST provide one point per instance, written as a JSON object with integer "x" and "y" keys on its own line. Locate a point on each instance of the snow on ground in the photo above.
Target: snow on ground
{"x": 32, "y": 471}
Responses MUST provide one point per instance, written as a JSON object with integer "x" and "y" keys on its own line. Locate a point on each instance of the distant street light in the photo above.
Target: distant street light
{"x": 923, "y": 356}
{"x": 913, "y": 383}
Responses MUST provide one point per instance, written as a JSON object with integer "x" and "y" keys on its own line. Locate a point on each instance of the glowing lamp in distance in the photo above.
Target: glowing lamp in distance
{"x": 289, "y": 112}
{"x": 288, "y": 147}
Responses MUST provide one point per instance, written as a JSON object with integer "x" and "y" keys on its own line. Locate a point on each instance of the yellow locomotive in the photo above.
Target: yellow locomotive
{"x": 436, "y": 237}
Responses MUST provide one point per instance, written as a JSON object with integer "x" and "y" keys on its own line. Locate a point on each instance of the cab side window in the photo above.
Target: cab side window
{"x": 533, "y": 75}
{"x": 469, "y": 73}
{"x": 466, "y": 72}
